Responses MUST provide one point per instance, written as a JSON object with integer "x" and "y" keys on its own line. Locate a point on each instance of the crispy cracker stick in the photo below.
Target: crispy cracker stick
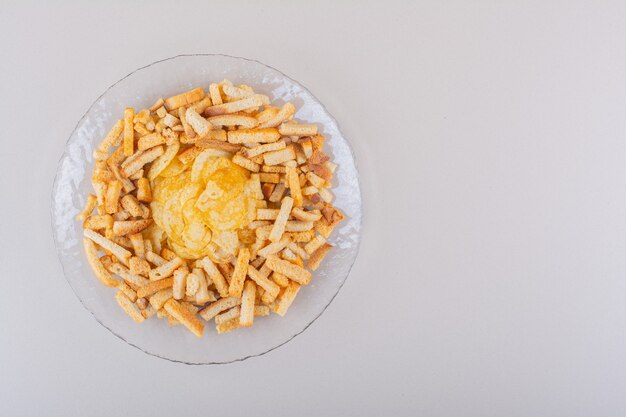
{"x": 129, "y": 134}
{"x": 280, "y": 279}
{"x": 144, "y": 192}
{"x": 246, "y": 316}
{"x": 287, "y": 298}
{"x": 317, "y": 142}
{"x": 186, "y": 317}
{"x": 201, "y": 105}
{"x": 150, "y": 141}
{"x": 278, "y": 157}
{"x": 184, "y": 99}
{"x": 300, "y": 158}
{"x": 253, "y": 136}
{"x": 267, "y": 113}
{"x": 294, "y": 186}
{"x": 217, "y": 134}
{"x": 127, "y": 160}
{"x": 142, "y": 117}
{"x": 154, "y": 287}
{"x": 133, "y": 279}
{"x": 120, "y": 216}
{"x": 98, "y": 221}
{"x": 298, "y": 226}
{"x": 119, "y": 252}
{"x": 125, "y": 288}
{"x": 265, "y": 269}
{"x": 128, "y": 306}
{"x": 305, "y": 216}
{"x": 102, "y": 174}
{"x": 281, "y": 220}
{"x": 216, "y": 276}
{"x": 96, "y": 265}
{"x": 203, "y": 294}
{"x": 217, "y": 307}
{"x": 157, "y": 104}
{"x": 326, "y": 195}
{"x": 245, "y": 122}
{"x": 139, "y": 266}
{"x": 314, "y": 244}
{"x": 298, "y": 250}
{"x": 145, "y": 157}
{"x": 261, "y": 311}
{"x": 90, "y": 204}
{"x": 112, "y": 197}
{"x": 218, "y": 144}
{"x": 323, "y": 227}
{"x": 315, "y": 180}
{"x": 286, "y": 112}
{"x": 239, "y": 274}
{"x": 266, "y": 214}
{"x": 292, "y": 271}
{"x": 261, "y": 149}
{"x": 189, "y": 154}
{"x": 199, "y": 124}
{"x": 166, "y": 269}
{"x": 189, "y": 132}
{"x": 154, "y": 258}
{"x": 273, "y": 247}
{"x": 246, "y": 163}
{"x": 127, "y": 184}
{"x": 214, "y": 91}
{"x": 129, "y": 227}
{"x": 228, "y": 315}
{"x": 273, "y": 169}
{"x": 301, "y": 237}
{"x": 228, "y": 326}
{"x": 307, "y": 147}
{"x": 269, "y": 178}
{"x": 157, "y": 300}
{"x": 179, "y": 284}
{"x": 123, "y": 241}
{"x": 318, "y": 256}
{"x": 168, "y": 254}
{"x": 131, "y": 205}
{"x": 265, "y": 298}
{"x": 297, "y": 129}
{"x": 236, "y": 92}
{"x": 139, "y": 246}
{"x": 235, "y": 106}
{"x": 321, "y": 171}
{"x": 192, "y": 285}
{"x": 109, "y": 140}
{"x": 161, "y": 112}
{"x": 136, "y": 175}
{"x": 163, "y": 160}
{"x": 288, "y": 255}
{"x": 263, "y": 282}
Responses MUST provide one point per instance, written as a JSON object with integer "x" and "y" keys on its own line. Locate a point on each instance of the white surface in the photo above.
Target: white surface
{"x": 491, "y": 141}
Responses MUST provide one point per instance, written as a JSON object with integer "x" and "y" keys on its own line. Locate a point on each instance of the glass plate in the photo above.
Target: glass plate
{"x": 72, "y": 184}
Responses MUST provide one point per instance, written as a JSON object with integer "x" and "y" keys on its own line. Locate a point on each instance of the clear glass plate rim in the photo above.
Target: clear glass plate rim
{"x": 64, "y": 155}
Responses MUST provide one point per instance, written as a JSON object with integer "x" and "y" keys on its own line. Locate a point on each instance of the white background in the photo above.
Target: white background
{"x": 490, "y": 137}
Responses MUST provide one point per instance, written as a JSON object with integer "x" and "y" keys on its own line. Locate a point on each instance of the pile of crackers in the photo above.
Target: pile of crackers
{"x": 254, "y": 277}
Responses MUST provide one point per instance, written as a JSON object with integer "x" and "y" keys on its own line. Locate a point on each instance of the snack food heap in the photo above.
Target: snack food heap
{"x": 209, "y": 206}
